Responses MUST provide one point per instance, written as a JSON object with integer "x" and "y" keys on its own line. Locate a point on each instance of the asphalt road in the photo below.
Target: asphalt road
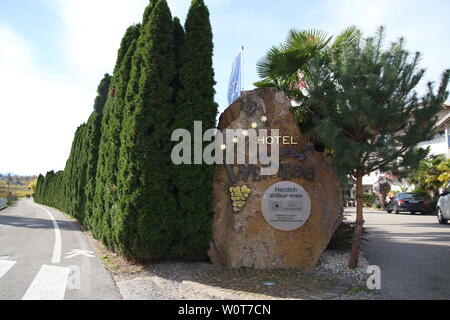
{"x": 413, "y": 253}
{"x": 44, "y": 256}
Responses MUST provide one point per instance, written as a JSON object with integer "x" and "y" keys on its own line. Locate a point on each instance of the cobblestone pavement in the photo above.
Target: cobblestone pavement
{"x": 275, "y": 284}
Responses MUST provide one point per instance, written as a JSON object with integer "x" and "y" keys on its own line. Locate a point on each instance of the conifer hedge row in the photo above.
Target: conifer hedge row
{"x": 119, "y": 180}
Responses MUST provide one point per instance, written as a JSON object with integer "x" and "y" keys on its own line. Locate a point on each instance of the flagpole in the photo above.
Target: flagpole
{"x": 242, "y": 68}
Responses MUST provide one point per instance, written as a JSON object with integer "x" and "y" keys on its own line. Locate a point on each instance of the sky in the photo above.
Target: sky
{"x": 53, "y": 53}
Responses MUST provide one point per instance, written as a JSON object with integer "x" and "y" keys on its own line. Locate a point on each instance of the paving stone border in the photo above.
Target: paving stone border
{"x": 288, "y": 284}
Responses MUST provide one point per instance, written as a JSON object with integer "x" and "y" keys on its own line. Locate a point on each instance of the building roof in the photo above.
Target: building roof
{"x": 444, "y": 120}
{"x": 444, "y": 115}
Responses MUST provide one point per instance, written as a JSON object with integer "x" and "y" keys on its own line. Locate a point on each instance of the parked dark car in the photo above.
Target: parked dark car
{"x": 408, "y": 202}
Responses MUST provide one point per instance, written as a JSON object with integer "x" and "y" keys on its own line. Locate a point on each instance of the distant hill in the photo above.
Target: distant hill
{"x": 16, "y": 185}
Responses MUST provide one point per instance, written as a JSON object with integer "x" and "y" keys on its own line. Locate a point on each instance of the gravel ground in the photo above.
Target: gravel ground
{"x": 336, "y": 262}
{"x": 165, "y": 281}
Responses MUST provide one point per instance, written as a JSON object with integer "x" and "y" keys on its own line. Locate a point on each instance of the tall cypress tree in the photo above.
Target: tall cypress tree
{"x": 145, "y": 217}
{"x": 105, "y": 199}
{"x": 92, "y": 140}
{"x": 72, "y": 186}
{"x": 179, "y": 38}
{"x": 196, "y": 103}
{"x": 46, "y": 188}
{"x": 43, "y": 198}
{"x": 49, "y": 189}
{"x": 55, "y": 193}
{"x": 38, "y": 192}
{"x": 148, "y": 11}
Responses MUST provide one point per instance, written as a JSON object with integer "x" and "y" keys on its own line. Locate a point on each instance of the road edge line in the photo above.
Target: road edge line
{"x": 56, "y": 257}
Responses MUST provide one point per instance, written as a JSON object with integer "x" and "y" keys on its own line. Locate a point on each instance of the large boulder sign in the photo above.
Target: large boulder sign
{"x": 280, "y": 221}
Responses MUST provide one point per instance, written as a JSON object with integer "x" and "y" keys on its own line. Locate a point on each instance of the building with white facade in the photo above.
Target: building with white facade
{"x": 440, "y": 145}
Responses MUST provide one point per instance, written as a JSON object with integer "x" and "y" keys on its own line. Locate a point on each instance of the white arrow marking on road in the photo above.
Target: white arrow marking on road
{"x": 49, "y": 284}
{"x": 78, "y": 252}
{"x": 5, "y": 266}
{"x": 56, "y": 258}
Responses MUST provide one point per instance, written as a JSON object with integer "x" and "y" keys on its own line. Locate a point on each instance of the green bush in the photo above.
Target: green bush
{"x": 369, "y": 200}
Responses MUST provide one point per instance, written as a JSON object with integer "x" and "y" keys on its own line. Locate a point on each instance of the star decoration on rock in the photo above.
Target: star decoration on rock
{"x": 254, "y": 125}
{"x": 223, "y": 147}
{"x": 264, "y": 119}
{"x": 245, "y": 133}
{"x": 235, "y": 140}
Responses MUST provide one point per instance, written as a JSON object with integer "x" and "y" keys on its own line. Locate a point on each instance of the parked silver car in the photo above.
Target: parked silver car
{"x": 443, "y": 206}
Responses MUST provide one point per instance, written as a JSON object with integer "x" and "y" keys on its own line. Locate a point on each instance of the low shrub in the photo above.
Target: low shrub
{"x": 369, "y": 200}
{"x": 342, "y": 238}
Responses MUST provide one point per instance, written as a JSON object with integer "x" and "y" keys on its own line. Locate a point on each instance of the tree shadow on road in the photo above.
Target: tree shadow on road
{"x": 36, "y": 223}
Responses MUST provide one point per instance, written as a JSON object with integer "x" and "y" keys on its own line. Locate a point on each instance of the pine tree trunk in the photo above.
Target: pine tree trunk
{"x": 382, "y": 198}
{"x": 353, "y": 263}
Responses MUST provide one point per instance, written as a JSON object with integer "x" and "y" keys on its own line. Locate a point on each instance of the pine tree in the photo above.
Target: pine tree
{"x": 195, "y": 103}
{"x": 371, "y": 115}
{"x": 105, "y": 199}
{"x": 145, "y": 215}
